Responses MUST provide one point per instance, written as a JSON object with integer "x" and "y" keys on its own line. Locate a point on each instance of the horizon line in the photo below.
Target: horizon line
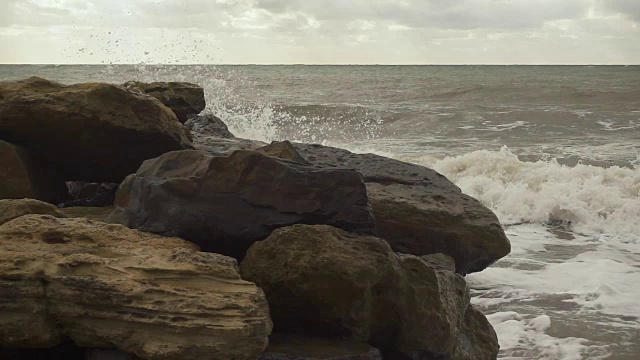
{"x": 299, "y": 64}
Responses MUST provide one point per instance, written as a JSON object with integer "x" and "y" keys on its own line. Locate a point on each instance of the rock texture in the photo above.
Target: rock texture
{"x": 292, "y": 347}
{"x": 103, "y": 285}
{"x": 224, "y": 204}
{"x": 323, "y": 281}
{"x": 184, "y": 99}
{"x": 23, "y": 177}
{"x": 88, "y": 132}
{"x": 477, "y": 339}
{"x": 12, "y": 209}
{"x": 91, "y": 194}
{"x": 208, "y": 125}
{"x": 282, "y": 150}
{"x": 420, "y": 212}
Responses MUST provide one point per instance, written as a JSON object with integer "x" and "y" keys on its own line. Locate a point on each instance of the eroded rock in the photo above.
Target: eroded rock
{"x": 103, "y": 285}
{"x": 14, "y": 208}
{"x": 208, "y": 125}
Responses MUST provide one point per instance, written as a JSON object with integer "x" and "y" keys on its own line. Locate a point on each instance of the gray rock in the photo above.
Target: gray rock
{"x": 208, "y": 125}
{"x": 224, "y": 204}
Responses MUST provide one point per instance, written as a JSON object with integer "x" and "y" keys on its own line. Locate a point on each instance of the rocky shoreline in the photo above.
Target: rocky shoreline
{"x": 174, "y": 239}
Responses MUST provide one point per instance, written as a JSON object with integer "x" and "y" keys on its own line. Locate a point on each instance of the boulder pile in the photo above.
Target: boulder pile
{"x": 216, "y": 247}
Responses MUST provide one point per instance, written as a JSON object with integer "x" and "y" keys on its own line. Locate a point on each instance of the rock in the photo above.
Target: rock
{"x": 88, "y": 212}
{"x": 440, "y": 260}
{"x": 282, "y": 150}
{"x": 91, "y": 194}
{"x": 208, "y": 125}
{"x": 14, "y": 208}
{"x": 184, "y": 99}
{"x": 103, "y": 285}
{"x": 88, "y": 132}
{"x": 224, "y": 204}
{"x": 124, "y": 191}
{"x": 477, "y": 339}
{"x": 23, "y": 177}
{"x": 295, "y": 347}
{"x": 419, "y": 211}
{"x": 326, "y": 282}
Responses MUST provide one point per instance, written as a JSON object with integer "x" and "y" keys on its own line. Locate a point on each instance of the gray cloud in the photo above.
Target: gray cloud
{"x": 340, "y": 31}
{"x": 630, "y": 8}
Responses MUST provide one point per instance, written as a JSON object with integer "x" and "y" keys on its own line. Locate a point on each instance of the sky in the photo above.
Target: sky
{"x": 320, "y": 31}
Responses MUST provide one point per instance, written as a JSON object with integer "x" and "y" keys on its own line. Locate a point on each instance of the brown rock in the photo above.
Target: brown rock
{"x": 103, "y": 285}
{"x": 14, "y": 208}
{"x": 184, "y": 99}
{"x": 208, "y": 125}
{"x": 323, "y": 281}
{"x": 477, "y": 339}
{"x": 23, "y": 177}
{"x": 419, "y": 211}
{"x": 87, "y": 132}
{"x": 224, "y": 204}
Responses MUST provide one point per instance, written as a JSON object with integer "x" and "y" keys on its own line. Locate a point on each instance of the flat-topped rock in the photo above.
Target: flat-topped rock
{"x": 103, "y": 285}
{"x": 224, "y": 204}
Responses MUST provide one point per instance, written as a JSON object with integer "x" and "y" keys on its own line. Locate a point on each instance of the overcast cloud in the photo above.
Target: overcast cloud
{"x": 320, "y": 31}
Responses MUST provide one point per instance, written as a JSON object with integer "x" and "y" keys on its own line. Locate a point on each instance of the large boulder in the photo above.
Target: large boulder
{"x": 103, "y": 285}
{"x": 184, "y": 99}
{"x": 224, "y": 204}
{"x": 23, "y": 177}
{"x": 88, "y": 132}
{"x": 15, "y": 208}
{"x": 419, "y": 211}
{"x": 323, "y": 281}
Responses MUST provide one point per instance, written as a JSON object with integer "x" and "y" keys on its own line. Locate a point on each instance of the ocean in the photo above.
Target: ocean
{"x": 554, "y": 151}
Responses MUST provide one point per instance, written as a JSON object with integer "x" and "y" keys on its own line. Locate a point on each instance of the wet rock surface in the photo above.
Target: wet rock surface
{"x": 183, "y": 98}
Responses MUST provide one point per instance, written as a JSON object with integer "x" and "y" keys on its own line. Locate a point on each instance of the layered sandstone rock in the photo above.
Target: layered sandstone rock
{"x": 224, "y": 204}
{"x": 88, "y": 132}
{"x": 327, "y": 282}
{"x": 14, "y": 208}
{"x": 103, "y": 285}
{"x": 184, "y": 99}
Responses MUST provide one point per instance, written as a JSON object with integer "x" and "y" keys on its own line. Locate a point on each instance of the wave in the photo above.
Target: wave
{"x": 589, "y": 199}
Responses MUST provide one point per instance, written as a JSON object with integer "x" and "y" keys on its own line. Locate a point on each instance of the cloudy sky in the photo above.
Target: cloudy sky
{"x": 321, "y": 31}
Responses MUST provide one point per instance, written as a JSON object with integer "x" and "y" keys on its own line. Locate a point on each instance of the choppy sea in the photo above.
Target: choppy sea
{"x": 554, "y": 151}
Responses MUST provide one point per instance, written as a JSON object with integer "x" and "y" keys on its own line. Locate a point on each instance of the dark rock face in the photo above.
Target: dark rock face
{"x": 420, "y": 212}
{"x": 296, "y": 347}
{"x": 23, "y": 177}
{"x": 87, "y": 132}
{"x": 224, "y": 204}
{"x": 184, "y": 99}
{"x": 91, "y": 194}
{"x": 208, "y": 125}
{"x": 323, "y": 281}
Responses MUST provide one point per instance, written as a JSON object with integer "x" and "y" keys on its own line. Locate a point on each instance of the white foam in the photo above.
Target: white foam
{"x": 526, "y": 338}
{"x": 593, "y": 199}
